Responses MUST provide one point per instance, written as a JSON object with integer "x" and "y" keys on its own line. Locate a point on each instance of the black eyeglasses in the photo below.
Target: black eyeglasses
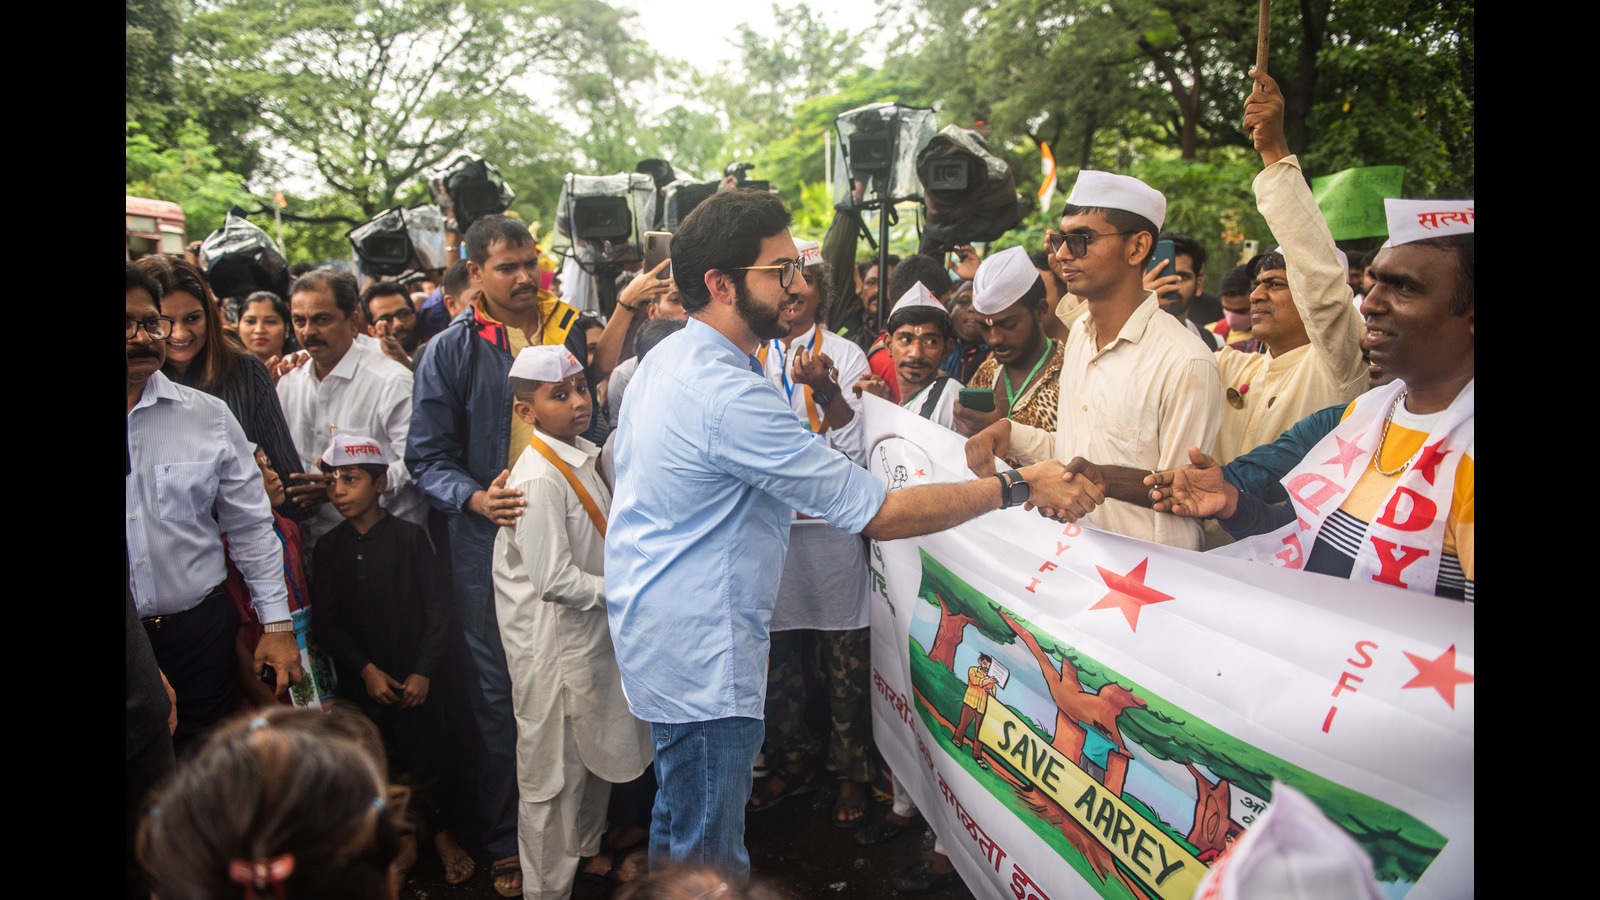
{"x": 158, "y": 328}
{"x": 403, "y": 314}
{"x": 786, "y": 271}
{"x": 1077, "y": 242}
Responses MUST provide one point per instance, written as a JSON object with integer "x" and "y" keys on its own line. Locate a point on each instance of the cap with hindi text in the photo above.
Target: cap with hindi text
{"x": 1417, "y": 220}
{"x": 353, "y": 450}
{"x": 809, "y": 253}
{"x": 917, "y": 295}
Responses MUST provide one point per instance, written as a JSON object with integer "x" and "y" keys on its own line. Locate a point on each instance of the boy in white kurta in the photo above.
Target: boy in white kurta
{"x": 575, "y": 735}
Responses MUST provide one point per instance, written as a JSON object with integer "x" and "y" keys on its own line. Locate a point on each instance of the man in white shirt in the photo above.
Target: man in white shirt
{"x": 1137, "y": 390}
{"x": 193, "y": 481}
{"x": 822, "y": 596}
{"x": 344, "y": 388}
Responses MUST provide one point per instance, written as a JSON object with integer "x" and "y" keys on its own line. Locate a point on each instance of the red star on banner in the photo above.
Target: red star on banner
{"x": 1432, "y": 456}
{"x": 921, "y": 474}
{"x": 1349, "y": 452}
{"x": 1440, "y": 674}
{"x": 1129, "y": 593}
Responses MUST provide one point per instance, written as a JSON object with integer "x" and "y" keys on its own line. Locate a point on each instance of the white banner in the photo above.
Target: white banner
{"x": 1153, "y": 697}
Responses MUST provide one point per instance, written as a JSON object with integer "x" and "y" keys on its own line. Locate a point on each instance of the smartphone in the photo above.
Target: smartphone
{"x": 269, "y": 675}
{"x": 1164, "y": 250}
{"x": 1251, "y": 248}
{"x": 657, "y": 246}
{"x": 980, "y": 399}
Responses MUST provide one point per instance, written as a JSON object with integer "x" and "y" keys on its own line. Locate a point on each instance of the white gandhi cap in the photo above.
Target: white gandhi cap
{"x": 353, "y": 450}
{"x": 1105, "y": 190}
{"x": 1002, "y": 279}
{"x": 549, "y": 362}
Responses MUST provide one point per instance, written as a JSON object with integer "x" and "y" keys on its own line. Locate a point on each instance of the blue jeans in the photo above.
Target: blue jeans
{"x": 704, "y": 772}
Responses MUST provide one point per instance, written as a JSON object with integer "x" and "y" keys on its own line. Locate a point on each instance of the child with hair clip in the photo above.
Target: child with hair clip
{"x": 277, "y": 804}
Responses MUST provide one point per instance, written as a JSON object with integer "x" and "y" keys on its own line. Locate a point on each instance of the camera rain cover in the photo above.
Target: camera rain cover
{"x": 241, "y": 258}
{"x": 878, "y": 146}
{"x": 595, "y": 211}
{"x": 971, "y": 194}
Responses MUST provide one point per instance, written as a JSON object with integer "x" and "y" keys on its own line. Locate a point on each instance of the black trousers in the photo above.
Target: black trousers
{"x": 195, "y": 649}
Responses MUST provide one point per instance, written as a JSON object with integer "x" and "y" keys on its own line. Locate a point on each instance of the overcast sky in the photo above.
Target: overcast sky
{"x": 701, "y": 32}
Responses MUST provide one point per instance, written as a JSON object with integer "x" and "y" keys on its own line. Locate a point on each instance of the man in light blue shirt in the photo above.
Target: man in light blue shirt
{"x": 710, "y": 462}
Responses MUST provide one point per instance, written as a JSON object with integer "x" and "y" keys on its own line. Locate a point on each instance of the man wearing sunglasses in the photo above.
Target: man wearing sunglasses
{"x": 1136, "y": 388}
{"x": 711, "y": 464}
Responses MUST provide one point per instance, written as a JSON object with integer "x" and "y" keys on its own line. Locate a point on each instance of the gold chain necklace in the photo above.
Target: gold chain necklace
{"x": 1378, "y": 453}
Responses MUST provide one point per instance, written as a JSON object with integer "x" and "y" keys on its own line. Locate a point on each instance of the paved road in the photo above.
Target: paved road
{"x": 795, "y": 844}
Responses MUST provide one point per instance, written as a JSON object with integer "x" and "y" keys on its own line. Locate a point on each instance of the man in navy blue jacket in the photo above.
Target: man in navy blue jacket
{"x": 463, "y": 441}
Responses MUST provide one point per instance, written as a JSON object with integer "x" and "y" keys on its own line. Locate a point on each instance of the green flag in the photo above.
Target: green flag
{"x": 1352, "y": 200}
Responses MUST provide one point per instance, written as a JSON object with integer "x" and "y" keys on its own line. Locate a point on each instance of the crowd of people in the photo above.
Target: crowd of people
{"x": 576, "y": 638}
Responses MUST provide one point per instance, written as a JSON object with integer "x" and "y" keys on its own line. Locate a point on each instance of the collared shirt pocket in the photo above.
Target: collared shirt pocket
{"x": 185, "y": 491}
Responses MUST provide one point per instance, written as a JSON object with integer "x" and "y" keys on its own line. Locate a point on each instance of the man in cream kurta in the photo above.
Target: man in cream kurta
{"x": 575, "y": 735}
{"x": 1311, "y": 365}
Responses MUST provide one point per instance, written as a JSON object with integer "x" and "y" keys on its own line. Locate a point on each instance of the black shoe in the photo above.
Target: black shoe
{"x": 883, "y": 829}
{"x": 922, "y": 879}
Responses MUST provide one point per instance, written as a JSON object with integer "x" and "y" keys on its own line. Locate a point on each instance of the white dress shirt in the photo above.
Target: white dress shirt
{"x": 194, "y": 479}
{"x": 366, "y": 394}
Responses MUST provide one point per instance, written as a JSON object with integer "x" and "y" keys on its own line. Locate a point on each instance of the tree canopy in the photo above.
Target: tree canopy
{"x": 361, "y": 99}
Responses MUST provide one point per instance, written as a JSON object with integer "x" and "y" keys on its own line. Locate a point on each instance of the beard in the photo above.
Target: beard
{"x": 765, "y": 324}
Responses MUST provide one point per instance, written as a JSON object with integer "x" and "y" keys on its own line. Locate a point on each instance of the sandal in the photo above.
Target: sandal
{"x": 764, "y": 796}
{"x": 511, "y": 865}
{"x": 855, "y": 801}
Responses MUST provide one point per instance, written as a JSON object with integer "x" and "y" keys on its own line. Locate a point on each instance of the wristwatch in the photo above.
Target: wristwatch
{"x": 824, "y": 397}
{"x": 286, "y": 625}
{"x": 1013, "y": 488}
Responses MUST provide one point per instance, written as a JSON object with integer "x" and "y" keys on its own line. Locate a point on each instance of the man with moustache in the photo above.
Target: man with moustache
{"x": 463, "y": 441}
{"x": 711, "y": 464}
{"x": 919, "y": 337}
{"x": 192, "y": 480}
{"x": 345, "y": 388}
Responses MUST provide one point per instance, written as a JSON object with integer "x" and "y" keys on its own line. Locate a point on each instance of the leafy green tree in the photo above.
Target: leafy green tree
{"x": 150, "y": 86}
{"x": 371, "y": 95}
{"x": 960, "y": 605}
{"x": 188, "y": 174}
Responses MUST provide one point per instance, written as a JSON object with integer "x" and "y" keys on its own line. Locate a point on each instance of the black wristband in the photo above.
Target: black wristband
{"x": 823, "y": 398}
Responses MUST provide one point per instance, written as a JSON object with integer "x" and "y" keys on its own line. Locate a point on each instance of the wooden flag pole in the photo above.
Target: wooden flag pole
{"x": 1262, "y": 31}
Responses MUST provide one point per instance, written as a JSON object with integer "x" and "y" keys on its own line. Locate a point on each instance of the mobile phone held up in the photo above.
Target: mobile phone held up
{"x": 1165, "y": 251}
{"x": 657, "y": 246}
{"x": 980, "y": 399}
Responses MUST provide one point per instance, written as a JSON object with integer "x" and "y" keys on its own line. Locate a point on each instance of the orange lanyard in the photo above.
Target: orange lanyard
{"x": 589, "y": 506}
{"x": 817, "y": 425}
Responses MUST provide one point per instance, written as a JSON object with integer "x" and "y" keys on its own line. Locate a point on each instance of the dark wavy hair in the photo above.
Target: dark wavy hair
{"x": 724, "y": 232}
{"x": 221, "y": 354}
